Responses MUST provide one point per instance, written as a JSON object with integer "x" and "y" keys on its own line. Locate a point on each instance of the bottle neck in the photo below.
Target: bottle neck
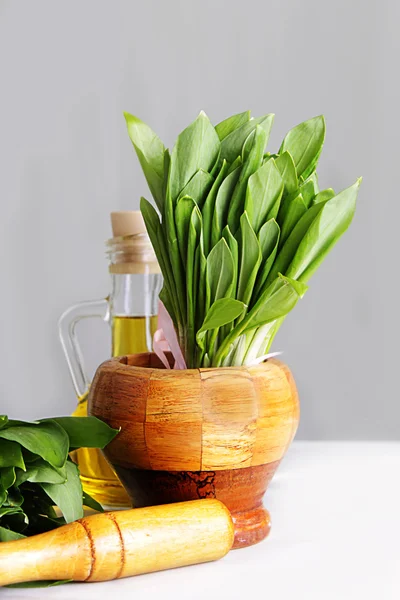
{"x": 136, "y": 278}
{"x": 135, "y": 294}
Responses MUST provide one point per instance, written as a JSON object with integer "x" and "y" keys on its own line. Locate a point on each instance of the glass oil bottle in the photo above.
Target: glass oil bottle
{"x": 131, "y": 311}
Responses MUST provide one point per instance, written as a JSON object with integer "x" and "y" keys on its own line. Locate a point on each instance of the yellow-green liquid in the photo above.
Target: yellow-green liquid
{"x": 130, "y": 335}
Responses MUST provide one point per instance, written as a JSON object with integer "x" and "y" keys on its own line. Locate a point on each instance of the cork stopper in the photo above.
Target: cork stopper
{"x": 130, "y": 249}
{"x": 127, "y": 222}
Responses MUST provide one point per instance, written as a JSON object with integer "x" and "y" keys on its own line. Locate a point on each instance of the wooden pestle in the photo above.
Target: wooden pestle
{"x": 120, "y": 544}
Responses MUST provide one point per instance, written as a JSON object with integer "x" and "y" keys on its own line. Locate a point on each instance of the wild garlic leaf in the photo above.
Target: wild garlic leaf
{"x": 197, "y": 147}
{"x": 232, "y": 145}
{"x": 68, "y": 495}
{"x": 221, "y": 312}
{"x": 323, "y": 196}
{"x": 222, "y": 205}
{"x": 251, "y": 163}
{"x": 331, "y": 222}
{"x": 7, "y": 477}
{"x": 198, "y": 187}
{"x": 289, "y": 248}
{"x": 304, "y": 142}
{"x": 207, "y": 210}
{"x": 183, "y": 213}
{"x": 309, "y": 189}
{"x": 286, "y": 167}
{"x": 3, "y": 421}
{"x": 176, "y": 276}
{"x": 264, "y": 192}
{"x": 238, "y": 162}
{"x": 192, "y": 277}
{"x": 276, "y": 301}
{"x": 46, "y": 439}
{"x": 203, "y": 290}
{"x": 157, "y": 237}
{"x": 151, "y": 154}
{"x": 227, "y": 126}
{"x": 250, "y": 259}
{"x": 269, "y": 240}
{"x": 90, "y": 502}
{"x": 6, "y": 535}
{"x": 11, "y": 454}
{"x": 85, "y": 432}
{"x": 220, "y": 271}
{"x": 234, "y": 248}
{"x": 291, "y": 212}
{"x": 42, "y": 472}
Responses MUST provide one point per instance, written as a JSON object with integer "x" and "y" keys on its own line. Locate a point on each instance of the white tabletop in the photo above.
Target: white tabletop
{"x": 335, "y": 535}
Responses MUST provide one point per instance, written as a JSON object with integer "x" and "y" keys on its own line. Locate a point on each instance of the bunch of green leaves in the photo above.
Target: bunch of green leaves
{"x": 37, "y": 474}
{"x": 239, "y": 231}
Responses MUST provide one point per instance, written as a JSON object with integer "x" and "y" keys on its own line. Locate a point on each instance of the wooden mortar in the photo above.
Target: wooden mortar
{"x": 198, "y": 433}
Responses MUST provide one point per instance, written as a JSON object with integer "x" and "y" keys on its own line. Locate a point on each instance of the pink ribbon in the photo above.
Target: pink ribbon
{"x": 166, "y": 340}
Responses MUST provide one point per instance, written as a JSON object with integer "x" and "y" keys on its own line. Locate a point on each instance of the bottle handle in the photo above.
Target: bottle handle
{"x": 70, "y": 343}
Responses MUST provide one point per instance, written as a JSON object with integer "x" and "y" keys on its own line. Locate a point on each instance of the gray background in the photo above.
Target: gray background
{"x": 69, "y": 69}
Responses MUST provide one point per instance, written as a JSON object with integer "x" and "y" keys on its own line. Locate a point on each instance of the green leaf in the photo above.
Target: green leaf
{"x": 39, "y": 584}
{"x": 323, "y": 196}
{"x": 222, "y": 204}
{"x": 291, "y": 212}
{"x": 157, "y": 238}
{"x": 286, "y": 167}
{"x": 3, "y": 421}
{"x": 183, "y": 214}
{"x": 276, "y": 301}
{"x": 269, "y": 240}
{"x": 7, "y": 477}
{"x": 230, "y": 124}
{"x": 203, "y": 290}
{"x": 151, "y": 154}
{"x": 222, "y": 312}
{"x": 10, "y": 454}
{"x": 198, "y": 187}
{"x": 289, "y": 249}
{"x": 85, "y": 432}
{"x": 220, "y": 271}
{"x": 46, "y": 439}
{"x": 10, "y": 510}
{"x": 232, "y": 144}
{"x": 304, "y": 142}
{"x": 67, "y": 496}
{"x": 14, "y": 497}
{"x": 90, "y": 502}
{"x": 9, "y": 536}
{"x": 192, "y": 277}
{"x": 325, "y": 230}
{"x": 42, "y": 472}
{"x": 207, "y": 210}
{"x": 250, "y": 259}
{"x": 234, "y": 248}
{"x": 263, "y": 196}
{"x": 15, "y": 521}
{"x": 197, "y": 147}
{"x": 309, "y": 189}
{"x": 254, "y": 149}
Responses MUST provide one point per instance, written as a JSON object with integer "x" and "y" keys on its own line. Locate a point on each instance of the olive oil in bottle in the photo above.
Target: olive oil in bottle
{"x": 131, "y": 312}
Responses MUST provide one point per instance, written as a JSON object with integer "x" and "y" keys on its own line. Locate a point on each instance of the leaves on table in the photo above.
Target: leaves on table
{"x": 36, "y": 474}
{"x": 46, "y": 439}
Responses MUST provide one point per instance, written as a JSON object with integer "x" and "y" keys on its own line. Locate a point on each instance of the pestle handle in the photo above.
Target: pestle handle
{"x": 121, "y": 544}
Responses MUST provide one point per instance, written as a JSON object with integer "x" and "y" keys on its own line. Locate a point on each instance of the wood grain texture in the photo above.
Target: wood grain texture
{"x": 121, "y": 544}
{"x": 241, "y": 490}
{"x": 233, "y": 422}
